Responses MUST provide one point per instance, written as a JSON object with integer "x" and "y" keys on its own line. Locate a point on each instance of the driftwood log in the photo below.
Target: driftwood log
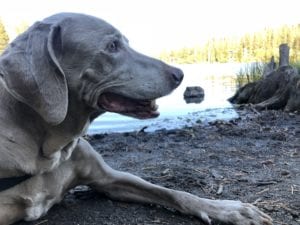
{"x": 277, "y": 89}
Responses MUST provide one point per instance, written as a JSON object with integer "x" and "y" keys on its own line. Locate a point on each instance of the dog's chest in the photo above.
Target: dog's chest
{"x": 56, "y": 149}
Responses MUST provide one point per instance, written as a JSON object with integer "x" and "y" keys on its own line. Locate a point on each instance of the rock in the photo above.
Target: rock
{"x": 193, "y": 94}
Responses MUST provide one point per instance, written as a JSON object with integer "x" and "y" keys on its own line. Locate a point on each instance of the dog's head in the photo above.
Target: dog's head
{"x": 87, "y": 57}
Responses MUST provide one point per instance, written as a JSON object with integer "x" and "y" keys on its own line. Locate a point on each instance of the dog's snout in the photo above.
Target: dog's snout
{"x": 177, "y": 75}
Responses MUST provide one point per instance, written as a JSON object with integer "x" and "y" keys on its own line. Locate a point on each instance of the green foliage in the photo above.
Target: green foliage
{"x": 256, "y": 47}
{"x": 251, "y": 72}
{"x": 3, "y": 37}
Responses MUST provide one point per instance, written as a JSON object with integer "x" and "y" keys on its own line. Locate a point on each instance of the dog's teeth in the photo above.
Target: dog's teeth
{"x": 153, "y": 105}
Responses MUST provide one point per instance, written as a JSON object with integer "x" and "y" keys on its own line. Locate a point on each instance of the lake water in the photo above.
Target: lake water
{"x": 218, "y": 83}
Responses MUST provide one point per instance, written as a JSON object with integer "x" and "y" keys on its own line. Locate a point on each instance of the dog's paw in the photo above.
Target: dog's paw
{"x": 235, "y": 212}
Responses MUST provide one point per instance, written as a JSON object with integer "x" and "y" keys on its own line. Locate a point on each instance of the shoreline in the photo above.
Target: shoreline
{"x": 254, "y": 158}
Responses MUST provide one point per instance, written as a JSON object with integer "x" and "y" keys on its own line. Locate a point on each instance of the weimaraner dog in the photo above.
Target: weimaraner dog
{"x": 56, "y": 78}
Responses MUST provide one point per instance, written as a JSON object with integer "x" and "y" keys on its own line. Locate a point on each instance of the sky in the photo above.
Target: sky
{"x": 153, "y": 26}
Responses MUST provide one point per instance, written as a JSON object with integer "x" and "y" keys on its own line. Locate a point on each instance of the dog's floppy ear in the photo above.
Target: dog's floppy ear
{"x": 31, "y": 71}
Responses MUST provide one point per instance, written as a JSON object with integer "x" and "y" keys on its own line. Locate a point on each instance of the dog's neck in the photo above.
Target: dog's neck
{"x": 23, "y": 130}
{"x": 75, "y": 125}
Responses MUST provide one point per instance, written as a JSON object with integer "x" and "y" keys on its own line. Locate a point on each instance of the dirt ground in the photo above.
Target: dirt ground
{"x": 255, "y": 158}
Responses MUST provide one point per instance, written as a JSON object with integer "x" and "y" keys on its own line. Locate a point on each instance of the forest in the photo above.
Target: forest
{"x": 255, "y": 47}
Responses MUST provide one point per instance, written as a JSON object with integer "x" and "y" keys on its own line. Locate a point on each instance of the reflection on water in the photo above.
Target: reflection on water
{"x": 218, "y": 82}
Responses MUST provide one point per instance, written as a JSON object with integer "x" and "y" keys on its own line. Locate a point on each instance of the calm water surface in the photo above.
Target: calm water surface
{"x": 218, "y": 82}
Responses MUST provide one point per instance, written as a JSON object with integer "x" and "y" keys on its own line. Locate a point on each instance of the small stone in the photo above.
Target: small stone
{"x": 285, "y": 172}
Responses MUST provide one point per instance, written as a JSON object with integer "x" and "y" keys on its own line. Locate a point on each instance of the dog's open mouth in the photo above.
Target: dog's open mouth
{"x": 141, "y": 109}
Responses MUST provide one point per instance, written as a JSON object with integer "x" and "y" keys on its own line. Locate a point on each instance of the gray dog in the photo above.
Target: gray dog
{"x": 56, "y": 78}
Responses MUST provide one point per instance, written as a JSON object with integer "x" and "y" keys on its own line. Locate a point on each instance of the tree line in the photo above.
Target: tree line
{"x": 255, "y": 47}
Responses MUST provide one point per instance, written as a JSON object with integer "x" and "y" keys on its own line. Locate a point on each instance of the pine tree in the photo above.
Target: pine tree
{"x": 3, "y": 37}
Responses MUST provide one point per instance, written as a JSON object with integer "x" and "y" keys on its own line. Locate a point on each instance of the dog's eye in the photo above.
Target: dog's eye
{"x": 113, "y": 46}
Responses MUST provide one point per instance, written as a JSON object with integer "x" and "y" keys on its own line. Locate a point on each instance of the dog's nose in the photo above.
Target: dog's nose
{"x": 177, "y": 75}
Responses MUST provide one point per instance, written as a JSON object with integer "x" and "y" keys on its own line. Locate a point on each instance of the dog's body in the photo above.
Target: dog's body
{"x": 57, "y": 77}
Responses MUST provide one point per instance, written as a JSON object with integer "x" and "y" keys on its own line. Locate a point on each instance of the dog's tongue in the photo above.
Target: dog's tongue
{"x": 126, "y": 106}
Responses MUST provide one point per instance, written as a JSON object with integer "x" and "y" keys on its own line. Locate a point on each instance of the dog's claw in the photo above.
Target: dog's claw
{"x": 204, "y": 217}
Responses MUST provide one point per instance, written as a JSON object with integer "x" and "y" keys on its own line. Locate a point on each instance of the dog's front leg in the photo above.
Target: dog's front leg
{"x": 127, "y": 187}
{"x": 33, "y": 198}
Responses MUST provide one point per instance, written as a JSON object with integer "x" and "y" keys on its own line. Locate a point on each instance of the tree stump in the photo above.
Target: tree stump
{"x": 284, "y": 52}
{"x": 277, "y": 89}
{"x": 269, "y": 68}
